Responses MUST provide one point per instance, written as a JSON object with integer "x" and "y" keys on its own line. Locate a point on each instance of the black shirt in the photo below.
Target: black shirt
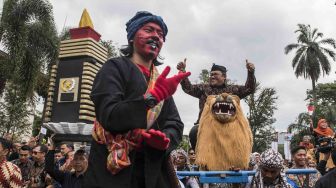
{"x": 66, "y": 179}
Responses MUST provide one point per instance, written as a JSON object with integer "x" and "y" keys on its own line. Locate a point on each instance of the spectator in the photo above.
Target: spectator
{"x": 269, "y": 173}
{"x": 323, "y": 131}
{"x": 299, "y": 155}
{"x": 192, "y": 156}
{"x": 32, "y": 142}
{"x": 24, "y": 163}
{"x": 328, "y": 180}
{"x": 67, "y": 166}
{"x": 58, "y": 157}
{"x": 181, "y": 163}
{"x": 254, "y": 161}
{"x": 15, "y": 152}
{"x": 306, "y": 142}
{"x": 65, "y": 149}
{"x": 321, "y": 166}
{"x": 38, "y": 174}
{"x": 68, "y": 179}
{"x": 10, "y": 174}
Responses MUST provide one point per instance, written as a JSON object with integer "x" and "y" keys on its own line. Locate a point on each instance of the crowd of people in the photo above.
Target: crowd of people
{"x": 33, "y": 165}
{"x": 29, "y": 164}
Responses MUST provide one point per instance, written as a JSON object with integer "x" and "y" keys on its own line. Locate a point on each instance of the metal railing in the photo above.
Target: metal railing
{"x": 232, "y": 176}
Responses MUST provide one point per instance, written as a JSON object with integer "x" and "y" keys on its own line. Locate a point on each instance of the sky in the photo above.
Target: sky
{"x": 225, "y": 32}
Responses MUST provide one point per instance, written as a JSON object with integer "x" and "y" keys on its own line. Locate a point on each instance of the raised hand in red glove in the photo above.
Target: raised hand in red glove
{"x": 156, "y": 139}
{"x": 166, "y": 87}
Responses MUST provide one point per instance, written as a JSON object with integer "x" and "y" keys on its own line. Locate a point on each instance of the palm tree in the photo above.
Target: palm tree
{"x": 29, "y": 36}
{"x": 311, "y": 56}
{"x": 301, "y": 123}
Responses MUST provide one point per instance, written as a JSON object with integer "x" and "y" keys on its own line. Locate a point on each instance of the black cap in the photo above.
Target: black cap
{"x": 218, "y": 68}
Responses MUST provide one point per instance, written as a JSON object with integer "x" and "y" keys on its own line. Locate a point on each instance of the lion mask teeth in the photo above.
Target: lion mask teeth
{"x": 221, "y": 108}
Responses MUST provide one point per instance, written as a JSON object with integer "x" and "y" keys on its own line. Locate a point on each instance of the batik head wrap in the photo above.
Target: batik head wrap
{"x": 140, "y": 19}
{"x": 270, "y": 159}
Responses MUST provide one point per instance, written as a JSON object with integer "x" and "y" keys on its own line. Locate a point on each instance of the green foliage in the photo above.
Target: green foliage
{"x": 112, "y": 50}
{"x": 281, "y": 149}
{"x": 325, "y": 102}
{"x": 301, "y": 123}
{"x": 37, "y": 124}
{"x": 184, "y": 143}
{"x": 262, "y": 104}
{"x": 65, "y": 34}
{"x": 28, "y": 34}
{"x": 297, "y": 138}
{"x": 325, "y": 108}
{"x": 14, "y": 114}
{"x": 204, "y": 76}
{"x": 311, "y": 56}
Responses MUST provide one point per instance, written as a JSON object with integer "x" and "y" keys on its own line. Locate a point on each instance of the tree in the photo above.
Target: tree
{"x": 204, "y": 76}
{"x": 301, "y": 123}
{"x": 261, "y": 104}
{"x": 311, "y": 56}
{"x": 14, "y": 114}
{"x": 112, "y": 50}
{"x": 325, "y": 108}
{"x": 28, "y": 34}
{"x": 325, "y": 101}
{"x": 37, "y": 124}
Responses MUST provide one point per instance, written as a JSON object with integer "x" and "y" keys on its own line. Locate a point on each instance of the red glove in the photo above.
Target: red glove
{"x": 166, "y": 87}
{"x": 156, "y": 139}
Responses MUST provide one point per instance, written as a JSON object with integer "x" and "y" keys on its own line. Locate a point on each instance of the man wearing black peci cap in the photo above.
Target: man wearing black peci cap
{"x": 217, "y": 85}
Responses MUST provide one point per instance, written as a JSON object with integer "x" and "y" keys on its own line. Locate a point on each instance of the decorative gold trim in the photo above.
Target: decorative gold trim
{"x": 83, "y": 53}
{"x": 52, "y": 84}
{"x": 88, "y": 107}
{"x": 86, "y": 101}
{"x": 49, "y": 103}
{"x": 48, "y": 108}
{"x": 52, "y": 79}
{"x": 83, "y": 41}
{"x": 50, "y": 94}
{"x": 88, "y": 112}
{"x": 85, "y": 91}
{"x": 89, "y": 82}
{"x": 48, "y": 113}
{"x": 85, "y": 96}
{"x": 53, "y": 75}
{"x": 87, "y": 68}
{"x": 86, "y": 77}
{"x": 94, "y": 66}
{"x": 89, "y": 73}
{"x": 51, "y": 89}
{"x": 83, "y": 117}
{"x": 86, "y": 86}
{"x": 81, "y": 47}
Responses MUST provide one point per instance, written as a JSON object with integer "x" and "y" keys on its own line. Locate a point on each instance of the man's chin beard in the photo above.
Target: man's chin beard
{"x": 150, "y": 56}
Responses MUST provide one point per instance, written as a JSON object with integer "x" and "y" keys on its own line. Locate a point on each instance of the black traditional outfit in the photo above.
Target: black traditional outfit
{"x": 117, "y": 93}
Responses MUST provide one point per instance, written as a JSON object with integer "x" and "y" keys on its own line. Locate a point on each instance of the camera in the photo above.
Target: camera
{"x": 325, "y": 144}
